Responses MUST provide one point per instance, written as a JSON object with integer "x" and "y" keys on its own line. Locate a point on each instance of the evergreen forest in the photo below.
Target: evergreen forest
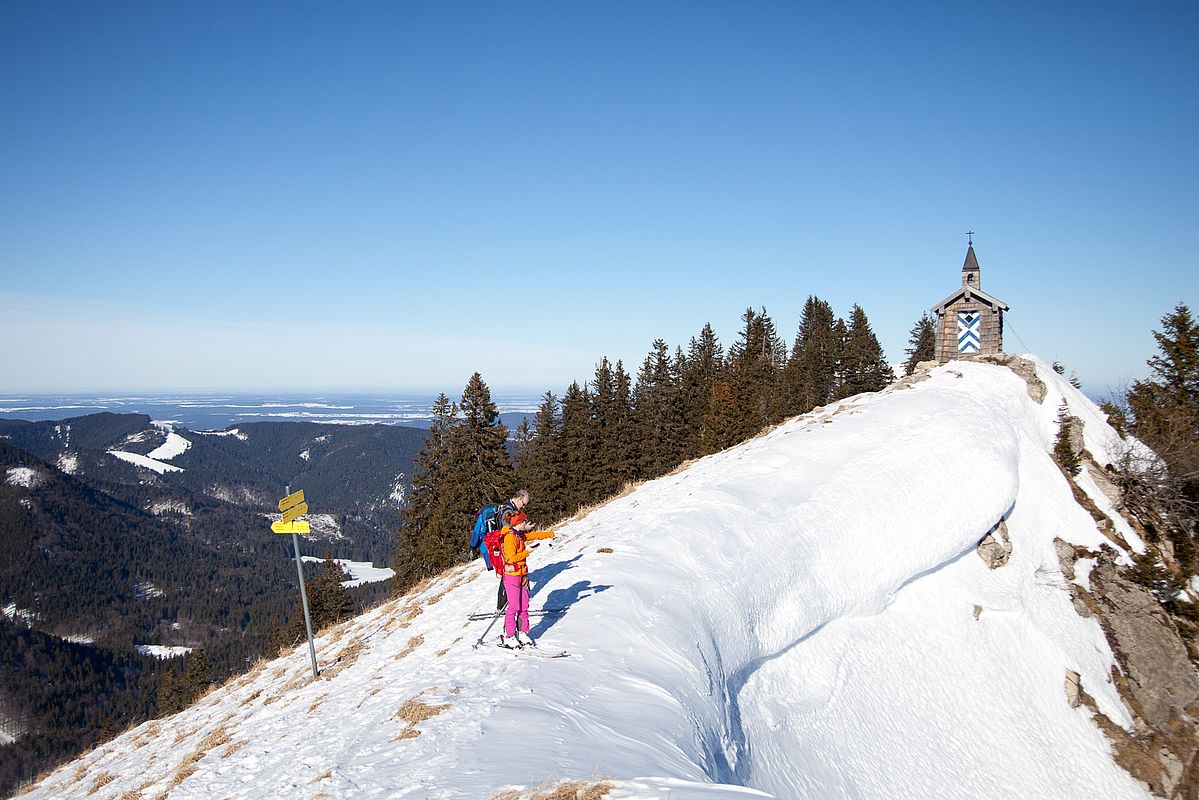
{"x": 619, "y": 428}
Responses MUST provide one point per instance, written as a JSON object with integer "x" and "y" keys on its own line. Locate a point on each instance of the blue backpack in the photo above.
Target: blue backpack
{"x": 482, "y": 526}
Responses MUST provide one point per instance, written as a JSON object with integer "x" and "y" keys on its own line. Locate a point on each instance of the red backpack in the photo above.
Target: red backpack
{"x": 494, "y": 550}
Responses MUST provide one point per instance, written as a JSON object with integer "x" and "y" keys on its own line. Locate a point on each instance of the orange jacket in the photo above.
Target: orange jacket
{"x": 515, "y": 552}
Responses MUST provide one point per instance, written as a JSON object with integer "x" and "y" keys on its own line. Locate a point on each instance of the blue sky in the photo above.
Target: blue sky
{"x": 240, "y": 196}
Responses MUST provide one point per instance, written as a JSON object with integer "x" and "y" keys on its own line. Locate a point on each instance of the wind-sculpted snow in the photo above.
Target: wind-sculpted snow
{"x": 802, "y": 615}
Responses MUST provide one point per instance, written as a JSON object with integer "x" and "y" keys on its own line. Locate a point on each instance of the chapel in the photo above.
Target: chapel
{"x": 969, "y": 321}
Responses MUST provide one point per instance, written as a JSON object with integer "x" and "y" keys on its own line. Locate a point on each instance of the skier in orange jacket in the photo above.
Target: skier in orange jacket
{"x": 516, "y": 578}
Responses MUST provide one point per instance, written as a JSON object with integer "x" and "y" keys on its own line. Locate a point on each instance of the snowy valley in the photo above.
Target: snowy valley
{"x": 805, "y": 615}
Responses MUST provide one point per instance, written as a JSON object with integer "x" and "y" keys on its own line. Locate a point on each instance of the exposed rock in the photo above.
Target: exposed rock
{"x": 1104, "y": 481}
{"x": 1076, "y": 442}
{"x": 1065, "y": 557}
{"x": 995, "y": 548}
{"x": 1073, "y": 689}
{"x": 1157, "y": 681}
{"x": 1022, "y": 367}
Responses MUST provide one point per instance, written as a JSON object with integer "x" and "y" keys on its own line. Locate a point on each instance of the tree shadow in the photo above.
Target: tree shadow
{"x": 564, "y": 598}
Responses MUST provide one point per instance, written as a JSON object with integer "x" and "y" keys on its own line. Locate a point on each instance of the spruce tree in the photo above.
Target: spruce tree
{"x": 840, "y": 341}
{"x": 464, "y": 465}
{"x": 864, "y": 368}
{"x": 722, "y": 421}
{"x": 922, "y": 343}
{"x": 1165, "y": 408}
{"x": 172, "y": 695}
{"x": 1063, "y": 451}
{"x": 540, "y": 470}
{"x": 611, "y": 414}
{"x": 577, "y": 446}
{"x": 702, "y": 368}
{"x": 809, "y": 377}
{"x": 661, "y": 432}
{"x": 755, "y": 367}
{"x": 328, "y": 601}
{"x": 480, "y": 466}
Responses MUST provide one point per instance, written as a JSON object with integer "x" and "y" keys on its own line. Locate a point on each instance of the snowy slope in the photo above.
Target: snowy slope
{"x": 803, "y": 615}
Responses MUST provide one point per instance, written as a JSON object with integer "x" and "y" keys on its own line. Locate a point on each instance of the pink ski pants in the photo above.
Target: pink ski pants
{"x": 517, "y": 589}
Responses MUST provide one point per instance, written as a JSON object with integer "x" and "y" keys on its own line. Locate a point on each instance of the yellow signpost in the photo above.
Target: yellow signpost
{"x": 295, "y": 498}
{"x": 294, "y": 507}
{"x": 299, "y": 526}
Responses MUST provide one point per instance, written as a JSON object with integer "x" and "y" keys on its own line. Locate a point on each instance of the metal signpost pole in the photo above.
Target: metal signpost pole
{"x": 295, "y": 540}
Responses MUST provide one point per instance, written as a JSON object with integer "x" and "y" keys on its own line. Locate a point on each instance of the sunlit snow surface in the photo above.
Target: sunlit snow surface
{"x": 145, "y": 461}
{"x": 175, "y": 445}
{"x": 360, "y": 571}
{"x": 796, "y": 615}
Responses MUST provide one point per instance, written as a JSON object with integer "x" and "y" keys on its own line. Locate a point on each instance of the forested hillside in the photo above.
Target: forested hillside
{"x": 112, "y": 554}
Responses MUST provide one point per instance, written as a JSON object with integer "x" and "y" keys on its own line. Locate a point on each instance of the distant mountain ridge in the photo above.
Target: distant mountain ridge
{"x": 113, "y": 553}
{"x": 358, "y": 470}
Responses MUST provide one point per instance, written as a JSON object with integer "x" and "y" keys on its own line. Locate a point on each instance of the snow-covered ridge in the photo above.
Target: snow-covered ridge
{"x": 155, "y": 460}
{"x": 234, "y": 432}
{"x": 803, "y": 614}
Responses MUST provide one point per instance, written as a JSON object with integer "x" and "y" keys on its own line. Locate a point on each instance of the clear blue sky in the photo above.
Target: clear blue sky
{"x": 335, "y": 196}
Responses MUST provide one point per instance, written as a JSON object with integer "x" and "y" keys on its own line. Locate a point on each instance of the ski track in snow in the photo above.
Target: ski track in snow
{"x": 795, "y": 615}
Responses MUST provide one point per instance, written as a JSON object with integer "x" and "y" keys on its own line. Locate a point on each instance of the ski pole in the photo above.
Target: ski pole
{"x": 494, "y": 617}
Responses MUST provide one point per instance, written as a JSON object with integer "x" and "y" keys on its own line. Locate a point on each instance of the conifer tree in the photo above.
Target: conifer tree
{"x": 1165, "y": 409}
{"x": 577, "y": 446}
{"x": 464, "y": 465}
{"x": 810, "y": 375}
{"x": 540, "y": 469}
{"x": 863, "y": 366}
{"x": 755, "y": 366}
{"x": 840, "y": 341}
{"x": 702, "y": 368}
{"x": 612, "y": 427}
{"x": 722, "y": 421}
{"x": 172, "y": 696}
{"x": 659, "y": 418}
{"x": 328, "y": 601}
{"x": 480, "y": 465}
{"x": 922, "y": 343}
{"x": 1063, "y": 451}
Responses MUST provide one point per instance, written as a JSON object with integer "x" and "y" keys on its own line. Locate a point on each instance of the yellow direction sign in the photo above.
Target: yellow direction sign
{"x": 291, "y": 527}
{"x": 295, "y": 512}
{"x": 293, "y": 499}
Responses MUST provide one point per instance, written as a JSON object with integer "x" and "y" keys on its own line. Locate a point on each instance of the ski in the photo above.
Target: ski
{"x": 535, "y": 612}
{"x": 533, "y": 652}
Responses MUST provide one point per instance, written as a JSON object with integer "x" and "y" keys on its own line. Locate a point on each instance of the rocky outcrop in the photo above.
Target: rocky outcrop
{"x": 1022, "y": 367}
{"x": 996, "y": 547}
{"x": 1156, "y": 678}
